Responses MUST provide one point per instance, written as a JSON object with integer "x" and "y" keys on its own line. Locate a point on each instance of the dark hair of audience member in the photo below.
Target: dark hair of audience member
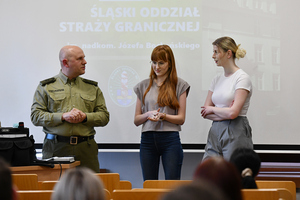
{"x": 222, "y": 174}
{"x": 7, "y": 191}
{"x": 196, "y": 190}
{"x": 248, "y": 162}
{"x": 79, "y": 184}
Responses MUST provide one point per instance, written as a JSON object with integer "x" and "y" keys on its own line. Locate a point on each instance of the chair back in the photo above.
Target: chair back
{"x": 165, "y": 184}
{"x": 107, "y": 194}
{"x": 34, "y": 194}
{"x": 265, "y": 194}
{"x": 111, "y": 181}
{"x": 139, "y": 194}
{"x": 26, "y": 181}
{"x": 47, "y": 185}
{"x": 289, "y": 185}
{"x": 284, "y": 194}
{"x": 125, "y": 185}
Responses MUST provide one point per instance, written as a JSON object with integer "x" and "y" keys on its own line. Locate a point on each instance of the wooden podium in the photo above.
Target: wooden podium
{"x": 45, "y": 173}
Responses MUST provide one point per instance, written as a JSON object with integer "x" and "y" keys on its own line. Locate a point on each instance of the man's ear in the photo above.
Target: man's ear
{"x": 65, "y": 63}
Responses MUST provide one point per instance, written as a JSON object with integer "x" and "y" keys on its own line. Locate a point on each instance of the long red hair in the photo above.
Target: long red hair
{"x": 167, "y": 91}
{"x": 222, "y": 174}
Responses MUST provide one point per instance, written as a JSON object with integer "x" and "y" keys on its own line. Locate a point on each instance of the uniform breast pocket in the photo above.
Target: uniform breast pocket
{"x": 57, "y": 102}
{"x": 88, "y": 102}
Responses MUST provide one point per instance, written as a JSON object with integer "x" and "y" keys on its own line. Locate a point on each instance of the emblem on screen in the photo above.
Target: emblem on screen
{"x": 120, "y": 86}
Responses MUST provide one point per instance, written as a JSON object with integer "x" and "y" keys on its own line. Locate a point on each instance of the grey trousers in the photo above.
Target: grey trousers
{"x": 225, "y": 136}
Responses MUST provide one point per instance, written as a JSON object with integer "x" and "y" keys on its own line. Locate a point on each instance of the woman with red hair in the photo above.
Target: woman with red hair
{"x": 160, "y": 109}
{"x": 222, "y": 174}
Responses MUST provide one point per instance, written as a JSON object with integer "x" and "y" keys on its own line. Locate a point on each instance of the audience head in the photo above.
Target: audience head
{"x": 227, "y": 43}
{"x": 79, "y": 184}
{"x": 7, "y": 189}
{"x": 247, "y": 162}
{"x": 194, "y": 191}
{"x": 222, "y": 174}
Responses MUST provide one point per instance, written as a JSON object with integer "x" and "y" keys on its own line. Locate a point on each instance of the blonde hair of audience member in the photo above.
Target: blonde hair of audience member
{"x": 79, "y": 184}
{"x": 196, "y": 190}
{"x": 222, "y": 174}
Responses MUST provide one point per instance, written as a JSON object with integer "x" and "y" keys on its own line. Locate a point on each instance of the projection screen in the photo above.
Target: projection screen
{"x": 118, "y": 37}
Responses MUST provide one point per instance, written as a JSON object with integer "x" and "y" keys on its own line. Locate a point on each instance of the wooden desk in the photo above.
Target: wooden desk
{"x": 45, "y": 173}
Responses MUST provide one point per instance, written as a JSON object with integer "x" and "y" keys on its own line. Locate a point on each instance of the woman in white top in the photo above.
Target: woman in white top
{"x": 227, "y": 102}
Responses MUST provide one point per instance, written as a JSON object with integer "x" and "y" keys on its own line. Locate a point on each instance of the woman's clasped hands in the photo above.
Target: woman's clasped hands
{"x": 155, "y": 115}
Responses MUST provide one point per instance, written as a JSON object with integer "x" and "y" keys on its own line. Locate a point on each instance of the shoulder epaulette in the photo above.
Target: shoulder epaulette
{"x": 90, "y": 82}
{"x": 47, "y": 81}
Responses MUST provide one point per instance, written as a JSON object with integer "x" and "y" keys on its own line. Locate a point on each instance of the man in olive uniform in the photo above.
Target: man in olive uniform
{"x": 69, "y": 107}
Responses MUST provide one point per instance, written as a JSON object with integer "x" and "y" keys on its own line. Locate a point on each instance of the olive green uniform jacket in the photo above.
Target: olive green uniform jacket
{"x": 59, "y": 95}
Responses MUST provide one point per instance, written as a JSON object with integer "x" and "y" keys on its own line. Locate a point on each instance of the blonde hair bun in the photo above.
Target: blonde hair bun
{"x": 240, "y": 52}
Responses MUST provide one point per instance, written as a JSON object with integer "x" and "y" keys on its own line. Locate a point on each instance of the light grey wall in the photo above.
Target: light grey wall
{"x": 127, "y": 164}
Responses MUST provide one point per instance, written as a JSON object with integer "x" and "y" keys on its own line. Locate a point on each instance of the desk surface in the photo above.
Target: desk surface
{"x": 45, "y": 173}
{"x": 37, "y": 167}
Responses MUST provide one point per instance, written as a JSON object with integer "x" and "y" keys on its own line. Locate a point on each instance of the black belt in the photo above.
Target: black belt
{"x": 73, "y": 139}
